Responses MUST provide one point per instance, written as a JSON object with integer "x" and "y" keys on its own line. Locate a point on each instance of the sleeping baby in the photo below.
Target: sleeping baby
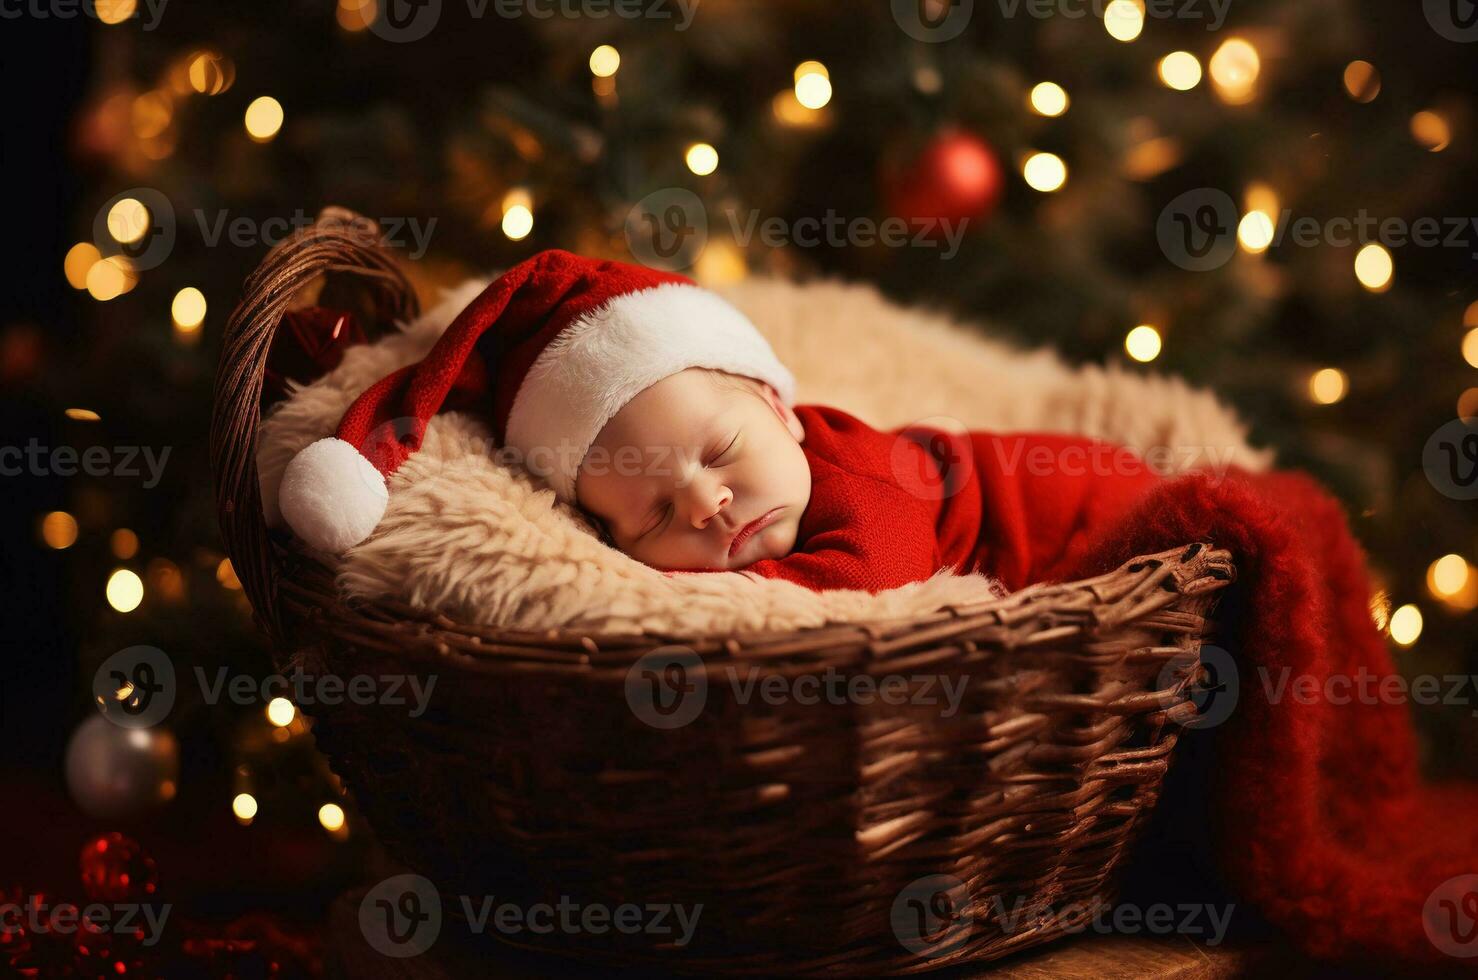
{"x": 659, "y": 410}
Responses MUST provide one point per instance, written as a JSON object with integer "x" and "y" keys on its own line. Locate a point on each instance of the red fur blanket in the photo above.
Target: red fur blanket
{"x": 1319, "y": 818}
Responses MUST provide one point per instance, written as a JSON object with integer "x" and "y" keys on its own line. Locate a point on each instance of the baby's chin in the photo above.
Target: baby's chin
{"x": 775, "y": 541}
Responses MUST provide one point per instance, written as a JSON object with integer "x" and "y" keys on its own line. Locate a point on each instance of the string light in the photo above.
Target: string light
{"x": 210, "y": 72}
{"x": 125, "y": 590}
{"x": 123, "y": 543}
{"x": 188, "y": 310}
{"x": 331, "y": 816}
{"x": 1180, "y": 70}
{"x": 1470, "y": 347}
{"x": 263, "y": 118}
{"x": 812, "y": 84}
{"x": 280, "y": 712}
{"x": 1328, "y": 385}
{"x": 1044, "y": 172}
{"x": 128, "y": 221}
{"x": 1374, "y": 268}
{"x": 355, "y": 15}
{"x": 1448, "y": 575}
{"x": 702, "y": 158}
{"x": 1143, "y": 343}
{"x": 1362, "y": 81}
{"x": 115, "y": 11}
{"x": 518, "y": 214}
{"x": 1124, "y": 19}
{"x": 59, "y": 530}
{"x": 245, "y": 807}
{"x": 1406, "y": 624}
{"x": 1431, "y": 131}
{"x": 111, "y": 278}
{"x": 604, "y": 61}
{"x": 226, "y": 575}
{"x": 1234, "y": 70}
{"x": 79, "y": 261}
{"x": 1048, "y": 99}
{"x": 82, "y": 415}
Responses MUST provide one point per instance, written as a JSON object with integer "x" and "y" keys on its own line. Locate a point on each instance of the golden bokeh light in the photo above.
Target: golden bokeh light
{"x": 263, "y": 118}
{"x": 115, "y": 11}
{"x": 1470, "y": 347}
{"x": 1045, "y": 172}
{"x": 188, "y": 309}
{"x": 123, "y": 543}
{"x": 59, "y": 530}
{"x": 210, "y": 72}
{"x": 1124, "y": 19}
{"x": 702, "y": 158}
{"x": 1362, "y": 81}
{"x": 331, "y": 816}
{"x": 1234, "y": 70}
{"x": 604, "y": 61}
{"x": 1328, "y": 386}
{"x": 1374, "y": 268}
{"x": 1431, "y": 130}
{"x": 111, "y": 278}
{"x": 79, "y": 262}
{"x": 1448, "y": 575}
{"x": 1406, "y": 624}
{"x": 356, "y": 15}
{"x": 1048, "y": 99}
{"x": 813, "y": 89}
{"x": 1180, "y": 70}
{"x": 244, "y": 806}
{"x": 226, "y": 575}
{"x": 125, "y": 590}
{"x": 1143, "y": 343}
{"x": 280, "y": 712}
{"x": 128, "y": 221}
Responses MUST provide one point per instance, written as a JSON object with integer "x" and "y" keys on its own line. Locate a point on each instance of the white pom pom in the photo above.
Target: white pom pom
{"x": 331, "y": 496}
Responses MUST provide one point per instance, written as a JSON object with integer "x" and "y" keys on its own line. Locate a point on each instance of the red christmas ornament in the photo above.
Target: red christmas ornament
{"x": 955, "y": 177}
{"x": 116, "y": 869}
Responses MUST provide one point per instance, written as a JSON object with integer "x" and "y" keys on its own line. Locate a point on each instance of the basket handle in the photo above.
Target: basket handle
{"x": 339, "y": 241}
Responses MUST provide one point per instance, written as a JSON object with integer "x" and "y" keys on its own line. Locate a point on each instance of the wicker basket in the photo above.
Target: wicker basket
{"x": 862, "y": 834}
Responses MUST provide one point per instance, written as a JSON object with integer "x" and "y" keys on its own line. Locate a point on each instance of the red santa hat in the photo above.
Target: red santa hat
{"x": 554, "y": 348}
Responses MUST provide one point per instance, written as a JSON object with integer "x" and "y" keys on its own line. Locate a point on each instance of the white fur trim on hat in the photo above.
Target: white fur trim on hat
{"x": 331, "y": 496}
{"x": 604, "y": 359}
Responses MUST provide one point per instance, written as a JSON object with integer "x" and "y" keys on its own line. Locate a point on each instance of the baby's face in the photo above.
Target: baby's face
{"x": 685, "y": 469}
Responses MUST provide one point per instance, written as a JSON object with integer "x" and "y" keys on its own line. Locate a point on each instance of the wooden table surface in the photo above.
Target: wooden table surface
{"x": 1090, "y": 956}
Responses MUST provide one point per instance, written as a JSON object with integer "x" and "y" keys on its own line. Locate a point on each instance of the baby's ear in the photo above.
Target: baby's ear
{"x": 785, "y": 413}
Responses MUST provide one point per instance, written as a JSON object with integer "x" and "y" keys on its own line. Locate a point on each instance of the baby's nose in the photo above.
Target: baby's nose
{"x": 709, "y": 503}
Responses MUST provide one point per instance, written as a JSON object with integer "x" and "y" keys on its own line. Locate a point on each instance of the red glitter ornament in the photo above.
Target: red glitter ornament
{"x": 116, "y": 869}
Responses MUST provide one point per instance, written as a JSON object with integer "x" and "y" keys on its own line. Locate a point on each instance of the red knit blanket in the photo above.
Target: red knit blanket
{"x": 1320, "y": 818}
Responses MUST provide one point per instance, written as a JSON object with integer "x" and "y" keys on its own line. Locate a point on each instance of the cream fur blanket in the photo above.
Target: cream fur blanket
{"x": 483, "y": 543}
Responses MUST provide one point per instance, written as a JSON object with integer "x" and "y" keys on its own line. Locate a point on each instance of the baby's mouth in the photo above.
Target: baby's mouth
{"x": 752, "y": 528}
